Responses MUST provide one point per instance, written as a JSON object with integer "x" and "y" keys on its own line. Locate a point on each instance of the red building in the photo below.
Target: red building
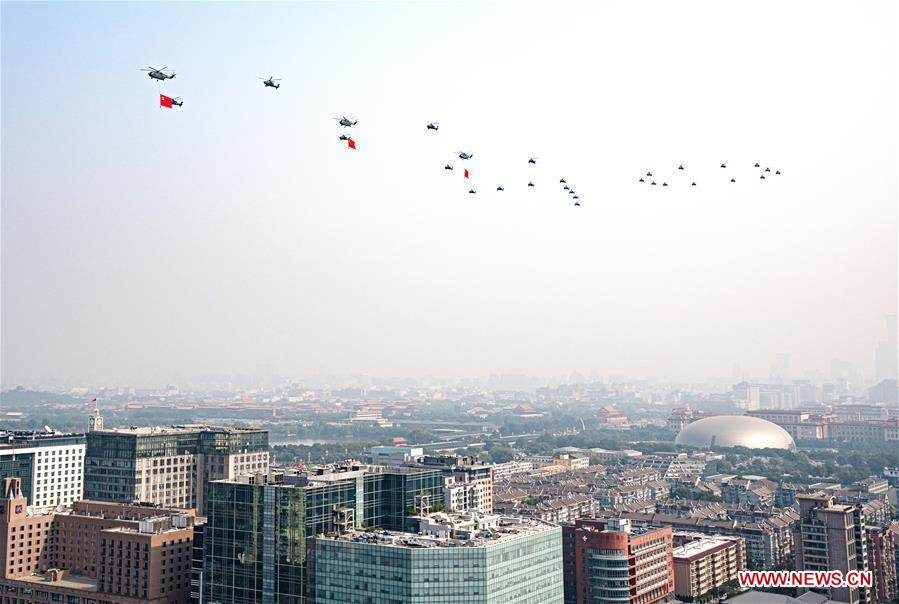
{"x": 882, "y": 560}
{"x": 609, "y": 561}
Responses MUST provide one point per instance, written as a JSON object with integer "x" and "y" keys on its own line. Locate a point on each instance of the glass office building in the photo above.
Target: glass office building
{"x": 521, "y": 564}
{"x": 258, "y": 525}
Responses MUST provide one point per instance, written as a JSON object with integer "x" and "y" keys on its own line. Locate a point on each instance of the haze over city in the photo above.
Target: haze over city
{"x": 143, "y": 246}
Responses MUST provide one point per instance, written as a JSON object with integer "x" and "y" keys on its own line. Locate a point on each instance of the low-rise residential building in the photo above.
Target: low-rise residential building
{"x": 706, "y": 563}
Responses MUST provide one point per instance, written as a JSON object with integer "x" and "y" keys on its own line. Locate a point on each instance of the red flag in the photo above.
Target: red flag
{"x": 350, "y": 143}
{"x": 466, "y": 173}
{"x": 165, "y": 101}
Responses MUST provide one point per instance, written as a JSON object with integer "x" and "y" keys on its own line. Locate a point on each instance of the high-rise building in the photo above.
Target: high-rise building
{"x": 257, "y": 527}
{"x": 93, "y": 552}
{"x": 705, "y": 563}
{"x": 169, "y": 466}
{"x": 832, "y": 536}
{"x": 451, "y": 558}
{"x": 609, "y": 561}
{"x": 50, "y": 465}
{"x": 882, "y": 560}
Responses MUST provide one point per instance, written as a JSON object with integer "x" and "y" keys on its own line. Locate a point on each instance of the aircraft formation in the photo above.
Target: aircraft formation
{"x": 677, "y": 177}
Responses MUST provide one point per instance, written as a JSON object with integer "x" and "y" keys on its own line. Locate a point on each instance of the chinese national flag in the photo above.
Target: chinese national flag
{"x": 351, "y": 143}
{"x": 466, "y": 173}
{"x": 165, "y": 101}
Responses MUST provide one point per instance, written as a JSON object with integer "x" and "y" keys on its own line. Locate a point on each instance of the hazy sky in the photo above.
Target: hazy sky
{"x": 142, "y": 244}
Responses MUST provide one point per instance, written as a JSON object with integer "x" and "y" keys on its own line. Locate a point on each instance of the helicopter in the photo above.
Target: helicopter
{"x": 346, "y": 122}
{"x": 177, "y": 101}
{"x": 271, "y": 82}
{"x": 448, "y": 167}
{"x": 159, "y": 74}
{"x": 433, "y": 126}
{"x": 343, "y": 137}
{"x": 464, "y": 155}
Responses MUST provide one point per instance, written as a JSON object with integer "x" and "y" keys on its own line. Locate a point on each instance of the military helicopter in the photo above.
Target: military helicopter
{"x": 271, "y": 82}
{"x": 346, "y": 122}
{"x": 448, "y": 167}
{"x": 433, "y": 126}
{"x": 464, "y": 155}
{"x": 343, "y": 137}
{"x": 177, "y": 101}
{"x": 159, "y": 74}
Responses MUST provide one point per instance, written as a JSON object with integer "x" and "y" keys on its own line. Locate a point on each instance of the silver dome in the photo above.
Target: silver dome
{"x": 735, "y": 431}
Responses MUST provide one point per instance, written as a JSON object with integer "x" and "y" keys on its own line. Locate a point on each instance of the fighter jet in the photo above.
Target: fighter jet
{"x": 692, "y": 184}
{"x": 762, "y": 177}
{"x": 649, "y": 173}
{"x": 531, "y": 184}
{"x": 641, "y": 180}
{"x": 562, "y": 181}
{"x": 680, "y": 167}
{"x": 500, "y": 188}
{"x": 777, "y": 171}
{"x": 433, "y": 126}
{"x": 653, "y": 183}
{"x": 532, "y": 160}
{"x": 464, "y": 155}
{"x": 271, "y": 82}
{"x": 723, "y": 165}
{"x": 472, "y": 191}
{"x": 346, "y": 122}
{"x": 565, "y": 188}
{"x": 756, "y": 165}
{"x": 159, "y": 74}
{"x": 733, "y": 180}
{"x": 577, "y": 204}
{"x": 664, "y": 184}
{"x": 767, "y": 169}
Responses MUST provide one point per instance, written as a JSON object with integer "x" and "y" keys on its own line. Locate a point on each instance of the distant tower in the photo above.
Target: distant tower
{"x": 95, "y": 421}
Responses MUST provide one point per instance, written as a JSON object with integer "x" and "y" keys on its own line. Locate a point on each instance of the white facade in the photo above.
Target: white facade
{"x": 58, "y": 475}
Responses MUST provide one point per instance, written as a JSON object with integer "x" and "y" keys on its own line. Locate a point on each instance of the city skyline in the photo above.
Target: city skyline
{"x": 143, "y": 246}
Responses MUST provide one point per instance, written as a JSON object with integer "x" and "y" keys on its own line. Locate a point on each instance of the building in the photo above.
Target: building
{"x": 706, "y": 563}
{"x": 169, "y": 466}
{"x": 466, "y": 475}
{"x": 832, "y": 536}
{"x": 258, "y": 525}
{"x": 609, "y": 561}
{"x": 50, "y": 465}
{"x": 395, "y": 455}
{"x": 882, "y": 560}
{"x": 93, "y": 552}
{"x": 473, "y": 559}
{"x": 735, "y": 431}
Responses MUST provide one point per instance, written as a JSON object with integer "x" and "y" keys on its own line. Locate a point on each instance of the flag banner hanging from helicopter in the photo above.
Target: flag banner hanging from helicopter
{"x": 165, "y": 101}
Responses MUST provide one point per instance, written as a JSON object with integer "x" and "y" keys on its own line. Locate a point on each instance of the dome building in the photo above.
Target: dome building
{"x": 735, "y": 431}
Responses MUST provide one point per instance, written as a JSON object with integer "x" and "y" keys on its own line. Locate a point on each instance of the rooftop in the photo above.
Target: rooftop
{"x": 701, "y": 547}
{"x": 461, "y": 529}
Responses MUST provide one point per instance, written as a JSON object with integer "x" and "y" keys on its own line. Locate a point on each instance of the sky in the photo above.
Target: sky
{"x": 143, "y": 245}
